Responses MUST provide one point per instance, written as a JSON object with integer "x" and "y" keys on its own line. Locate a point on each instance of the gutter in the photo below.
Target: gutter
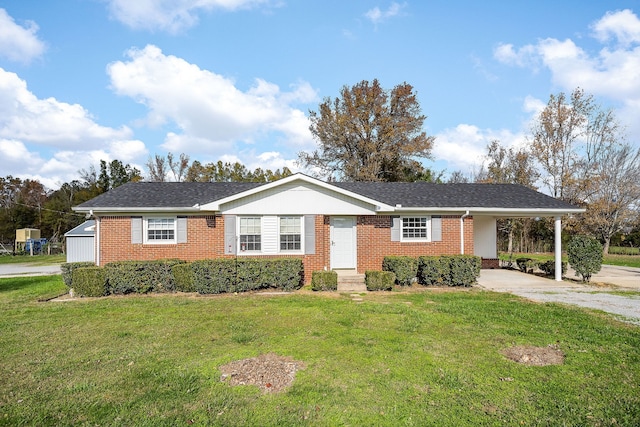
{"x": 466, "y": 214}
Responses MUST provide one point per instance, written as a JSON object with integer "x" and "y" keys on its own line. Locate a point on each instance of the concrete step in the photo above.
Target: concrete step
{"x": 350, "y": 280}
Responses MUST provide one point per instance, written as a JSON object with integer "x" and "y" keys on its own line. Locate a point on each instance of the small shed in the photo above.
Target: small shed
{"x": 81, "y": 242}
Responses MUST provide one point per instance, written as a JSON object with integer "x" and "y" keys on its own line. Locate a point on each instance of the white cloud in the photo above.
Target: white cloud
{"x": 48, "y": 121}
{"x": 377, "y": 16}
{"x": 19, "y": 44}
{"x": 610, "y": 73}
{"x": 623, "y": 26}
{"x": 213, "y": 116}
{"x": 472, "y": 141}
{"x": 170, "y": 16}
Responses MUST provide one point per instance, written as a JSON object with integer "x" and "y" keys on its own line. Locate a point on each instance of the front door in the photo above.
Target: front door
{"x": 343, "y": 242}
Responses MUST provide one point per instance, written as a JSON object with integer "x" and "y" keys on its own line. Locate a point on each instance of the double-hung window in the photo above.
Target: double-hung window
{"x": 290, "y": 234}
{"x": 250, "y": 234}
{"x": 415, "y": 228}
{"x": 161, "y": 230}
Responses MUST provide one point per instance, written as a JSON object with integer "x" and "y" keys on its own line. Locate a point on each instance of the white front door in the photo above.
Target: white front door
{"x": 343, "y": 242}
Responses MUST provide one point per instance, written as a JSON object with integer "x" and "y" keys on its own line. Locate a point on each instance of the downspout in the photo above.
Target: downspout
{"x": 466, "y": 214}
{"x": 97, "y": 237}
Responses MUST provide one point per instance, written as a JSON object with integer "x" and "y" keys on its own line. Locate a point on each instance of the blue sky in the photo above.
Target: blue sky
{"x": 234, "y": 80}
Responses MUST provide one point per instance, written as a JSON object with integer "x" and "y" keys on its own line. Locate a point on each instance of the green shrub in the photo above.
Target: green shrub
{"x": 241, "y": 275}
{"x": 89, "y": 281}
{"x": 526, "y": 265}
{"x": 183, "y": 277}
{"x": 433, "y": 270}
{"x": 585, "y": 256}
{"x": 464, "y": 270}
{"x": 405, "y": 268}
{"x": 449, "y": 270}
{"x": 379, "y": 280}
{"x": 549, "y": 267}
{"x": 324, "y": 281}
{"x": 142, "y": 277}
{"x": 67, "y": 271}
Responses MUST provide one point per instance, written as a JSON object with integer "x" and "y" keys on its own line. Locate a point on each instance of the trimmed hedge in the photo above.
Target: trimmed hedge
{"x": 433, "y": 270}
{"x": 142, "y": 277}
{"x": 67, "y": 270}
{"x": 379, "y": 280}
{"x": 183, "y": 277}
{"x": 230, "y": 275}
{"x": 324, "y": 281}
{"x": 405, "y": 268}
{"x": 89, "y": 281}
{"x": 449, "y": 270}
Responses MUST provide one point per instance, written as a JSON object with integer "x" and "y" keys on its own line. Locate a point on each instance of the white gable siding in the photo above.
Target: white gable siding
{"x": 297, "y": 199}
{"x": 270, "y": 235}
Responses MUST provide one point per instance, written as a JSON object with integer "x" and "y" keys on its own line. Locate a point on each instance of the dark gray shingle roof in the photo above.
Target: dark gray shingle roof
{"x": 426, "y": 194}
{"x": 166, "y": 194}
{"x": 409, "y": 195}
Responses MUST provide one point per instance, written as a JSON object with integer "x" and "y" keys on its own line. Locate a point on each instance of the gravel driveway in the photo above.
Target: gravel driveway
{"x": 626, "y": 307}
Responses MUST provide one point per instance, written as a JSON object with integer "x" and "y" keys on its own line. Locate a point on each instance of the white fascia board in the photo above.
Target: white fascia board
{"x": 505, "y": 212}
{"x": 215, "y": 205}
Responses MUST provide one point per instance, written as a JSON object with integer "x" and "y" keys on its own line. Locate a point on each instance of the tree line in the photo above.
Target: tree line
{"x": 576, "y": 151}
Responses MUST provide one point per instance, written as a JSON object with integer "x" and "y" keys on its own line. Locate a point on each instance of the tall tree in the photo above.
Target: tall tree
{"x": 178, "y": 167}
{"x": 558, "y": 128}
{"x": 368, "y": 134}
{"x": 231, "y": 172}
{"x": 157, "y": 167}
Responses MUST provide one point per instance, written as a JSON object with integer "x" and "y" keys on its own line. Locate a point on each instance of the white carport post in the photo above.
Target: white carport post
{"x": 558, "y": 247}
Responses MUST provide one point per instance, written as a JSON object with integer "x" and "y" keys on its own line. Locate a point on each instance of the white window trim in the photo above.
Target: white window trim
{"x": 145, "y": 231}
{"x": 239, "y": 250}
{"x": 296, "y": 251}
{"x": 410, "y": 240}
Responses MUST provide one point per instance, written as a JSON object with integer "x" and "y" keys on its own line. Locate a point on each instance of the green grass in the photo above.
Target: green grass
{"x": 420, "y": 358}
{"x": 35, "y": 259}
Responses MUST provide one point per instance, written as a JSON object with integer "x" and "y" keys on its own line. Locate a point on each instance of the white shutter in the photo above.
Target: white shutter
{"x": 136, "y": 229}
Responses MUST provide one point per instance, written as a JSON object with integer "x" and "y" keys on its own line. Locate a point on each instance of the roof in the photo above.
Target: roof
{"x": 87, "y": 228}
{"x": 398, "y": 196}
{"x": 427, "y": 194}
{"x": 166, "y": 194}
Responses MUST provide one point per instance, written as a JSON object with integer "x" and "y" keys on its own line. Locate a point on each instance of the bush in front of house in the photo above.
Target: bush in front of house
{"x": 433, "y": 270}
{"x": 379, "y": 280}
{"x": 183, "y": 277}
{"x": 142, "y": 277}
{"x": 585, "y": 256}
{"x": 67, "y": 270}
{"x": 405, "y": 268}
{"x": 526, "y": 265}
{"x": 464, "y": 270}
{"x": 324, "y": 281}
{"x": 449, "y": 270}
{"x": 89, "y": 281}
{"x": 216, "y": 276}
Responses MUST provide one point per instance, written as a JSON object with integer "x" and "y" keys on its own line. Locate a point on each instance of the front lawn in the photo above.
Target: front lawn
{"x": 35, "y": 259}
{"x": 420, "y": 358}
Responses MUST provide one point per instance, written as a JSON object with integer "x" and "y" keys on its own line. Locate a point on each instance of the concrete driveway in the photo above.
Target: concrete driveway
{"x": 23, "y": 270}
{"x": 626, "y": 307}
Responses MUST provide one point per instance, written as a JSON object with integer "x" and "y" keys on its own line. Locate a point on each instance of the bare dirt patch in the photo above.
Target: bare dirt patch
{"x": 535, "y": 356}
{"x": 270, "y": 372}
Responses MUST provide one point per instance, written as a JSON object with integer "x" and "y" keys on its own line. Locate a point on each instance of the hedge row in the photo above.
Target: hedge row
{"x": 446, "y": 270}
{"x": 528, "y": 265}
{"x": 324, "y": 281}
{"x": 205, "y": 277}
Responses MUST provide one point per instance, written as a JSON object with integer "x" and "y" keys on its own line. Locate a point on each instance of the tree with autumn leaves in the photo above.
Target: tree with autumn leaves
{"x": 369, "y": 134}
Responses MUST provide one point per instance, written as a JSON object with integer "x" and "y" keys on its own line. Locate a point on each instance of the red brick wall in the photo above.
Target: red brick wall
{"x": 205, "y": 239}
{"x": 374, "y": 241}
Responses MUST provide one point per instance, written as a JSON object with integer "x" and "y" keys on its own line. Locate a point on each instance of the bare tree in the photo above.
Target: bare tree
{"x": 157, "y": 167}
{"x": 178, "y": 167}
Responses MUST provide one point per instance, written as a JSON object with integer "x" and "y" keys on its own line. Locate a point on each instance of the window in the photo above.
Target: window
{"x": 161, "y": 230}
{"x": 415, "y": 228}
{"x": 250, "y": 234}
{"x": 290, "y": 234}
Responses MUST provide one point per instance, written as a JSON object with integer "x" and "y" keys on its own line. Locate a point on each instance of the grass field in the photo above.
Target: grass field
{"x": 420, "y": 358}
{"x": 35, "y": 259}
{"x": 622, "y": 260}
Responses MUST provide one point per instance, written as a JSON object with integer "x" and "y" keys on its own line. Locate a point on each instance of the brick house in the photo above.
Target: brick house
{"x": 331, "y": 226}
